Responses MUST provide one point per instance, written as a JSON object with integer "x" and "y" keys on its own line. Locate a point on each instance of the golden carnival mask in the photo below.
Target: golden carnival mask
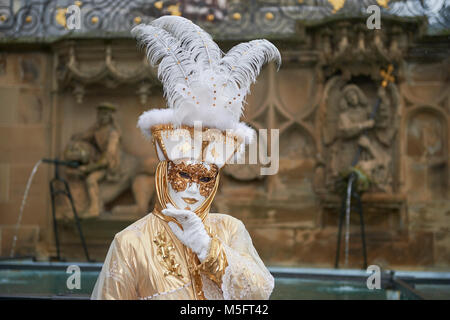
{"x": 170, "y": 177}
{"x": 182, "y": 175}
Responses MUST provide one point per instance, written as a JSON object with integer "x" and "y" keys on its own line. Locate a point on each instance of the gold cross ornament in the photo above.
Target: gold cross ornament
{"x": 387, "y": 76}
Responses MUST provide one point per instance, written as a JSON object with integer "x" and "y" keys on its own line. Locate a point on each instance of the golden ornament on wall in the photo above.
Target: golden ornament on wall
{"x": 60, "y": 16}
{"x": 174, "y": 10}
{"x": 383, "y": 3}
{"x": 337, "y": 4}
{"x": 269, "y": 16}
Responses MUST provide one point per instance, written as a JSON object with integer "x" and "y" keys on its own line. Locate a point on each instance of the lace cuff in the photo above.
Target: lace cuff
{"x": 245, "y": 279}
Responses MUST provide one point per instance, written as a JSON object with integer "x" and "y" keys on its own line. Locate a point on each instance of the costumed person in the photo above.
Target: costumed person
{"x": 180, "y": 250}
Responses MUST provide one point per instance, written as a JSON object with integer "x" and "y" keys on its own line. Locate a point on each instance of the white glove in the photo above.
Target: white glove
{"x": 193, "y": 234}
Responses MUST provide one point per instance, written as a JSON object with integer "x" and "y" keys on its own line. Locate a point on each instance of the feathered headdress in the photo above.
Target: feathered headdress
{"x": 200, "y": 83}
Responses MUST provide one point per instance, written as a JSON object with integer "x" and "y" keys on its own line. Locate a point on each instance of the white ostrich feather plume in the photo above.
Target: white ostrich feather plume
{"x": 200, "y": 83}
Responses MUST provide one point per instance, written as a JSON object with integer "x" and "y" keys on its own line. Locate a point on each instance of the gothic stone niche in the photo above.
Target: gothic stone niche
{"x": 426, "y": 154}
{"x": 106, "y": 173}
{"x": 345, "y": 117}
{"x": 297, "y": 162}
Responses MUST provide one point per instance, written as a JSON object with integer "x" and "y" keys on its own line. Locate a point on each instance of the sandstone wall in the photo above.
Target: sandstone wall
{"x": 25, "y": 135}
{"x": 291, "y": 216}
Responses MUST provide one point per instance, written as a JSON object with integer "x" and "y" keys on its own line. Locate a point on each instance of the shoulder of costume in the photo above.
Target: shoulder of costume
{"x": 226, "y": 218}
{"x": 131, "y": 233}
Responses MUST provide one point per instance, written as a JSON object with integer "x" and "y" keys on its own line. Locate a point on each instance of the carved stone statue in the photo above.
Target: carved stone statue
{"x": 353, "y": 120}
{"x": 350, "y": 134}
{"x": 104, "y": 137}
{"x": 106, "y": 171}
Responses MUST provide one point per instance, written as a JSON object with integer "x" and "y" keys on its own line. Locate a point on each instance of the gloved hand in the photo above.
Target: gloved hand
{"x": 193, "y": 235}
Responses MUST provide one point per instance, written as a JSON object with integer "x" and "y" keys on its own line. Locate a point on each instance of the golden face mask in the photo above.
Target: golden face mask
{"x": 181, "y": 175}
{"x": 161, "y": 183}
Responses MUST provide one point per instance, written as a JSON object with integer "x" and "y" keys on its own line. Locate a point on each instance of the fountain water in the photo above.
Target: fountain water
{"x": 25, "y": 196}
{"x": 347, "y": 218}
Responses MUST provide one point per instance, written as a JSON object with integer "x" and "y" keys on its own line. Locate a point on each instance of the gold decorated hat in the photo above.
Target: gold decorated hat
{"x": 205, "y": 91}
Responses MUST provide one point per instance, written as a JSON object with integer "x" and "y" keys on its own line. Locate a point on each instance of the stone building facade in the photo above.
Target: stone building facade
{"x": 329, "y": 82}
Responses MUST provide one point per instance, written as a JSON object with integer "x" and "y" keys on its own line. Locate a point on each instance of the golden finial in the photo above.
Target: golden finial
{"x": 94, "y": 19}
{"x": 60, "y": 16}
{"x": 269, "y": 16}
{"x": 174, "y": 9}
{"x": 158, "y": 5}
{"x": 28, "y": 19}
{"x": 138, "y": 20}
{"x": 236, "y": 16}
{"x": 337, "y": 4}
{"x": 210, "y": 17}
{"x": 383, "y": 3}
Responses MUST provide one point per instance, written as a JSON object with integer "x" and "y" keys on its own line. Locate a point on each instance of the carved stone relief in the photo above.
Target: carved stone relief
{"x": 81, "y": 66}
{"x": 427, "y": 154}
{"x": 350, "y": 135}
{"x": 106, "y": 171}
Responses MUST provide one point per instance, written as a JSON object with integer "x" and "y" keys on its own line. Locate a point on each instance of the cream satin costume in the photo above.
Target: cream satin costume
{"x": 146, "y": 260}
{"x": 180, "y": 250}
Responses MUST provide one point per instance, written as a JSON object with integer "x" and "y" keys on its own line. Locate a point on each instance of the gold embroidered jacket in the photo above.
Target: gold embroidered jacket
{"x": 147, "y": 261}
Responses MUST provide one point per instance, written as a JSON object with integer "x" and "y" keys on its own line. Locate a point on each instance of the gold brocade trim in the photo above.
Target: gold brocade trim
{"x": 197, "y": 283}
{"x": 157, "y": 130}
{"x": 167, "y": 257}
{"x": 215, "y": 263}
{"x": 160, "y": 127}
